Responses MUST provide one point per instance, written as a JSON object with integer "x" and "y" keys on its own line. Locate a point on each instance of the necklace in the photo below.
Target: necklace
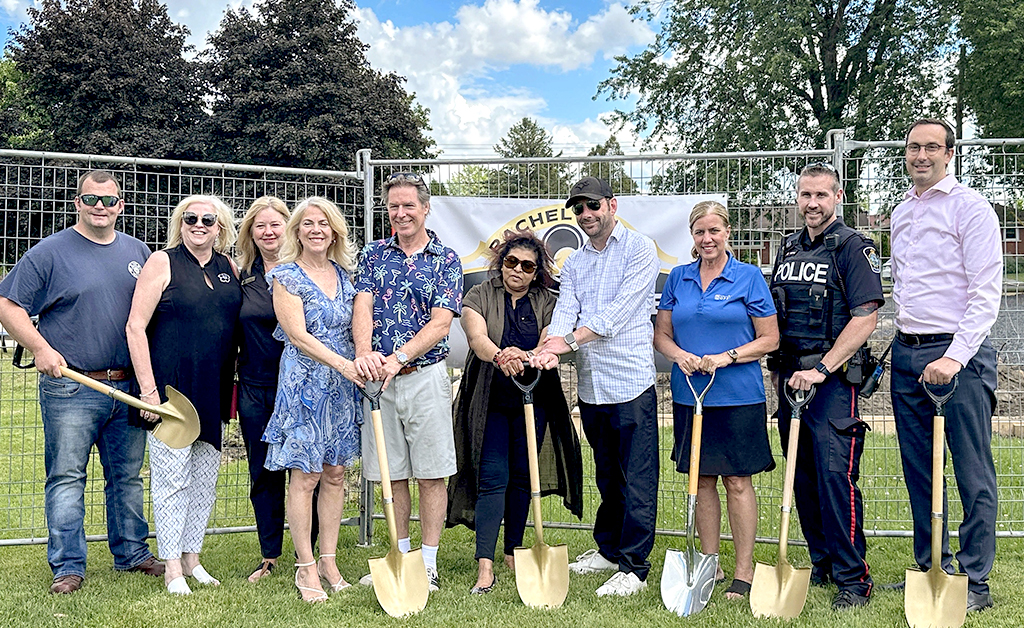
{"x": 309, "y": 266}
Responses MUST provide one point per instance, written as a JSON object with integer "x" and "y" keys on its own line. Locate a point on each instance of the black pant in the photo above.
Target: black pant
{"x": 266, "y": 492}
{"x": 624, "y": 437}
{"x": 825, "y": 487}
{"x": 504, "y": 479}
{"x": 969, "y": 440}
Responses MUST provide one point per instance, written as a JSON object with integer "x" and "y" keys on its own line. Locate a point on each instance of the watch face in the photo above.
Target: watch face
{"x": 402, "y": 358}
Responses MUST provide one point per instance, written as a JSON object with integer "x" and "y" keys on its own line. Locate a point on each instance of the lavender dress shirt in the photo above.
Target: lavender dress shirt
{"x": 947, "y": 265}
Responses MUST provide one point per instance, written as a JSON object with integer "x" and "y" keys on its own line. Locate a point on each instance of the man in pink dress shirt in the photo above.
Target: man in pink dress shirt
{"x": 947, "y": 273}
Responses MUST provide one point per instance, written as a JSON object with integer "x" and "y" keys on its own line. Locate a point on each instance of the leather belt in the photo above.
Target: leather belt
{"x": 914, "y": 340}
{"x": 405, "y": 370}
{"x": 109, "y": 375}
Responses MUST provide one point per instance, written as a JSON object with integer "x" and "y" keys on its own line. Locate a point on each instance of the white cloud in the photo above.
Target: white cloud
{"x": 14, "y": 8}
{"x": 450, "y": 66}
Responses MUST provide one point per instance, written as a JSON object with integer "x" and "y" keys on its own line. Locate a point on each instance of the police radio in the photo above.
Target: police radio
{"x": 871, "y": 383}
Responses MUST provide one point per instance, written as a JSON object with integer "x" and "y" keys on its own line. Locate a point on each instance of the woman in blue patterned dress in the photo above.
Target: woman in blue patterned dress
{"x": 314, "y": 430}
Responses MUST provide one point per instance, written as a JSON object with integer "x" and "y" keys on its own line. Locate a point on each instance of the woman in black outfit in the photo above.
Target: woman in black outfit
{"x": 505, "y": 319}
{"x": 259, "y": 240}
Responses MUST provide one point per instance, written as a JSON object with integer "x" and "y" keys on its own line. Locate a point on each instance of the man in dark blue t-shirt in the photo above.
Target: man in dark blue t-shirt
{"x": 79, "y": 282}
{"x": 827, "y": 289}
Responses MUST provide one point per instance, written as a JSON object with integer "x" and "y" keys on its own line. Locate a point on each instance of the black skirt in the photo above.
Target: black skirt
{"x": 734, "y": 440}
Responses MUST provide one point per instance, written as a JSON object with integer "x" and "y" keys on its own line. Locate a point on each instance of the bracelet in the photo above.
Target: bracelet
{"x": 495, "y": 358}
{"x": 530, "y": 354}
{"x": 155, "y": 388}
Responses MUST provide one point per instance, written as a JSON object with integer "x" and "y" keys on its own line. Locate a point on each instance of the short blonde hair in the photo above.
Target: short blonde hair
{"x": 227, "y": 234}
{"x": 709, "y": 208}
{"x": 245, "y": 247}
{"x": 341, "y": 250}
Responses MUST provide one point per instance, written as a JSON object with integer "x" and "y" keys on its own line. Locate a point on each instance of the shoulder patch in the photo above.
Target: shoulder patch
{"x": 873, "y": 259}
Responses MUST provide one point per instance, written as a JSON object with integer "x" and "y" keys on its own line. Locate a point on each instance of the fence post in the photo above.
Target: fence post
{"x": 365, "y": 513}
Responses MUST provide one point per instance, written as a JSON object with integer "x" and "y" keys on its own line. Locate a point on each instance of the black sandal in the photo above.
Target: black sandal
{"x": 262, "y": 570}
{"x": 739, "y": 586}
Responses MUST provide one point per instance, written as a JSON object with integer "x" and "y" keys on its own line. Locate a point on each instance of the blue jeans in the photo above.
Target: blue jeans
{"x": 74, "y": 418}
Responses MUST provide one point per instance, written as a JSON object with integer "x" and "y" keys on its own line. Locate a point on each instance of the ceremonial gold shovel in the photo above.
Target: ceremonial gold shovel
{"x": 781, "y": 591}
{"x": 179, "y": 427}
{"x": 934, "y": 598}
{"x": 689, "y": 575}
{"x": 399, "y": 580}
{"x": 542, "y": 571}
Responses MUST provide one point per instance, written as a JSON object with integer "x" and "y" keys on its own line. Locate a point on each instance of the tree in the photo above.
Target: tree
{"x": 764, "y": 75}
{"x": 994, "y": 68}
{"x": 611, "y": 171}
{"x": 108, "y": 76}
{"x": 471, "y": 180}
{"x": 526, "y": 138}
{"x": 292, "y": 87}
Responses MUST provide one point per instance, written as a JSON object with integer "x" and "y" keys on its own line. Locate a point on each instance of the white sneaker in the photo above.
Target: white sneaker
{"x": 367, "y": 580}
{"x": 621, "y": 583}
{"x": 591, "y": 561}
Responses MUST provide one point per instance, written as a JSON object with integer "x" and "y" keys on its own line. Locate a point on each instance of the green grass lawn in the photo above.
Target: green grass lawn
{"x": 134, "y": 600}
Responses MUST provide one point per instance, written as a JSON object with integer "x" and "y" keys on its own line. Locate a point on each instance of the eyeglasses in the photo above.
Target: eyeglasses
{"x": 90, "y": 200}
{"x": 511, "y": 261}
{"x": 190, "y": 218}
{"x": 930, "y": 149}
{"x": 592, "y": 205}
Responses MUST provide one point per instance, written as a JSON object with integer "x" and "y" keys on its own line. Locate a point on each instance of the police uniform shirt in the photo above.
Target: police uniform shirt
{"x": 807, "y": 262}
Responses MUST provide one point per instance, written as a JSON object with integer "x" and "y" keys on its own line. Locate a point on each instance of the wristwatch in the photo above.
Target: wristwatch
{"x": 732, "y": 354}
{"x": 570, "y": 339}
{"x": 821, "y": 368}
{"x": 402, "y": 358}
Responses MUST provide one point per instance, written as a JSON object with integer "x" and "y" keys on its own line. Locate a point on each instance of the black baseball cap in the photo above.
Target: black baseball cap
{"x": 589, "y": 187}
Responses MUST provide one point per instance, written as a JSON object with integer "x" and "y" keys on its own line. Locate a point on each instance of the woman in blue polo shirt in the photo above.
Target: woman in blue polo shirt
{"x": 716, "y": 314}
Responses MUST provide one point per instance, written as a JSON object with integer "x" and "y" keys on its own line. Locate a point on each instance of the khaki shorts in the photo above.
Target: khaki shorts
{"x": 416, "y": 412}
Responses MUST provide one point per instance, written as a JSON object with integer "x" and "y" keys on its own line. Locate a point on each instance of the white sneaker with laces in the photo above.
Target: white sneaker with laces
{"x": 621, "y": 583}
{"x": 591, "y": 561}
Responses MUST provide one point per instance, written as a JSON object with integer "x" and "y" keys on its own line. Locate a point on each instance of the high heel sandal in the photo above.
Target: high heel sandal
{"x": 321, "y": 596}
{"x": 335, "y": 586}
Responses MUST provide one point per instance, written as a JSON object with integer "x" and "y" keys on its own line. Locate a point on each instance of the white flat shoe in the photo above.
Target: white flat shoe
{"x": 178, "y": 586}
{"x": 203, "y": 576}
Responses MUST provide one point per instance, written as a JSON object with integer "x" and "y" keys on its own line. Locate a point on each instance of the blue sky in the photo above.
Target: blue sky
{"x": 479, "y": 66}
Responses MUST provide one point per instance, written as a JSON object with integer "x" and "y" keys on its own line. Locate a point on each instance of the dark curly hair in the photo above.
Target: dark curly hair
{"x": 526, "y": 239}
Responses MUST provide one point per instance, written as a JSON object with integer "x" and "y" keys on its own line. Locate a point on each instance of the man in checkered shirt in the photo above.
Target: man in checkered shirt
{"x": 604, "y": 315}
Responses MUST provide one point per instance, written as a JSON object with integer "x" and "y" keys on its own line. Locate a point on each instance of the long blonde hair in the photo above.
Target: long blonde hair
{"x": 227, "y": 234}
{"x": 341, "y": 250}
{"x": 709, "y": 208}
{"x": 245, "y": 247}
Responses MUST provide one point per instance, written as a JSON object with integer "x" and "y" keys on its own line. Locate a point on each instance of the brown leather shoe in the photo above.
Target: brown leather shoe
{"x": 66, "y": 584}
{"x": 151, "y": 567}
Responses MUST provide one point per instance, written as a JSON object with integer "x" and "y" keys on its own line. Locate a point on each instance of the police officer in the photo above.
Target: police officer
{"x": 827, "y": 288}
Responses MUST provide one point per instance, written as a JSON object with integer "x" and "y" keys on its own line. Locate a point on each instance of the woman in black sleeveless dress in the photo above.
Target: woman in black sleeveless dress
{"x": 181, "y": 332}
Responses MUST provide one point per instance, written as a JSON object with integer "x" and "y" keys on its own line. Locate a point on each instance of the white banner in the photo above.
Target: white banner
{"x": 472, "y": 225}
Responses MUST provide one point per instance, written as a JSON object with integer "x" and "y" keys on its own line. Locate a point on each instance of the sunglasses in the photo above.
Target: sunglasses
{"x": 511, "y": 261}
{"x": 191, "y": 218}
{"x": 90, "y": 200}
{"x": 592, "y": 205}
{"x": 411, "y": 177}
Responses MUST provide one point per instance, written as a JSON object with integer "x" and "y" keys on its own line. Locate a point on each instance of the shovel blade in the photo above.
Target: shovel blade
{"x": 400, "y": 582}
{"x": 779, "y": 591}
{"x": 687, "y": 581}
{"x": 542, "y": 575}
{"x": 935, "y": 599}
{"x": 179, "y": 424}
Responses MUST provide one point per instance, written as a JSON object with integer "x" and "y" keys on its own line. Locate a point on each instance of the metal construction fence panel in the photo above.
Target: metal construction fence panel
{"x": 36, "y": 194}
{"x": 760, "y": 187}
{"x": 36, "y": 191}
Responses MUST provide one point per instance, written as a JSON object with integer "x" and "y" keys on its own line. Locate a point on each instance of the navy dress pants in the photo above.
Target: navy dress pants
{"x": 969, "y": 441}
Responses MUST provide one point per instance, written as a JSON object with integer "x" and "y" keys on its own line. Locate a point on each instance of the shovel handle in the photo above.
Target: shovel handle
{"x": 695, "y": 438}
{"x": 385, "y": 475}
{"x": 787, "y": 484}
{"x": 938, "y": 451}
{"x": 114, "y": 393}
{"x": 531, "y": 457}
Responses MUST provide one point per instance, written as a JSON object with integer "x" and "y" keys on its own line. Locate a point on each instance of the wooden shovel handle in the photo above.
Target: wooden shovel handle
{"x": 114, "y": 393}
{"x": 787, "y": 483}
{"x": 531, "y": 457}
{"x": 938, "y": 449}
{"x": 695, "y": 438}
{"x": 385, "y": 476}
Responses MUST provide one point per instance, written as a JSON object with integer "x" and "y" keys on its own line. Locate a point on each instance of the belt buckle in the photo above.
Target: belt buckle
{"x": 110, "y": 375}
